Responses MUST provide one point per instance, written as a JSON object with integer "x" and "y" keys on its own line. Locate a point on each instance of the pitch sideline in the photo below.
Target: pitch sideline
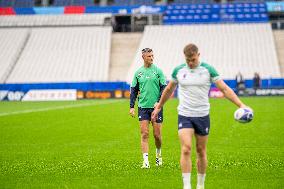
{"x": 60, "y": 107}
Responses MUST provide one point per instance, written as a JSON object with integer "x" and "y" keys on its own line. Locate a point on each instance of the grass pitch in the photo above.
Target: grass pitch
{"x": 96, "y": 144}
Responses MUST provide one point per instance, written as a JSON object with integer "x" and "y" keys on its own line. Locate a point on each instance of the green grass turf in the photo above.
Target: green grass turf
{"x": 96, "y": 144}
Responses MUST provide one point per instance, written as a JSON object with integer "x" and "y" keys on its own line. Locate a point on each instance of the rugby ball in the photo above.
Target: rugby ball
{"x": 243, "y": 115}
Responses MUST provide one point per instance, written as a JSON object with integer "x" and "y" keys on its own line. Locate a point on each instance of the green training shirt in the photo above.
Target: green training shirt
{"x": 149, "y": 81}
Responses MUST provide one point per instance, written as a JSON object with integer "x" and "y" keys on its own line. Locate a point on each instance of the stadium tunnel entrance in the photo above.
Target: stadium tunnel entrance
{"x": 134, "y": 23}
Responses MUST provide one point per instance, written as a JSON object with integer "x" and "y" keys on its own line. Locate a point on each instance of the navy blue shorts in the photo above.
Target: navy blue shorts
{"x": 201, "y": 125}
{"x": 145, "y": 114}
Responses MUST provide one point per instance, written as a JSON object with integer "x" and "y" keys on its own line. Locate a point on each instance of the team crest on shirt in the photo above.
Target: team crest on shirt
{"x": 156, "y": 74}
{"x": 184, "y": 76}
{"x": 140, "y": 74}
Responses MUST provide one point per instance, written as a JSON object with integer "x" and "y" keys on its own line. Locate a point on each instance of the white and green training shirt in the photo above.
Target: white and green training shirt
{"x": 193, "y": 88}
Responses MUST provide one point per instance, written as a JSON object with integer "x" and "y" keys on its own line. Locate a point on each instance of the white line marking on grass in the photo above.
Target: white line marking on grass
{"x": 60, "y": 107}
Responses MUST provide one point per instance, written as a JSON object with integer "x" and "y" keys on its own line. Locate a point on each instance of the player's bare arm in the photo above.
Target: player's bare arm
{"x": 165, "y": 96}
{"x": 229, "y": 93}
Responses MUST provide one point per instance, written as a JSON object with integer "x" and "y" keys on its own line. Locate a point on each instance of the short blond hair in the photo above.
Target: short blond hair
{"x": 190, "y": 50}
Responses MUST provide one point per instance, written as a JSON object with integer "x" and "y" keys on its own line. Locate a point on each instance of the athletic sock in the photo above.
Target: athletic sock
{"x": 158, "y": 152}
{"x": 186, "y": 180}
{"x": 200, "y": 179}
{"x": 145, "y": 157}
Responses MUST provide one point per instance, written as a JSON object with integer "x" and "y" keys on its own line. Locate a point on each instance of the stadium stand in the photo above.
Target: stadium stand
{"x": 12, "y": 41}
{"x": 5, "y": 3}
{"x": 192, "y": 1}
{"x": 133, "y": 2}
{"x": 54, "y": 20}
{"x": 123, "y": 49}
{"x": 279, "y": 42}
{"x": 68, "y": 55}
{"x": 24, "y": 3}
{"x": 61, "y": 2}
{"x": 231, "y": 48}
{"x": 175, "y": 14}
{"x": 83, "y": 2}
{"x": 215, "y": 13}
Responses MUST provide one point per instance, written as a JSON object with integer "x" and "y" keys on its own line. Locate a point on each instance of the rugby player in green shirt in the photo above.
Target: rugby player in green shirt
{"x": 150, "y": 82}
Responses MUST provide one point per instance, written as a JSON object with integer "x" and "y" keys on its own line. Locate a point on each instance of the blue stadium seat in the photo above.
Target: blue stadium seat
{"x": 24, "y": 3}
{"x": 193, "y": 1}
{"x": 83, "y": 2}
{"x": 250, "y": 1}
{"x": 6, "y": 3}
{"x": 212, "y": 13}
{"x": 62, "y": 2}
{"x": 134, "y": 2}
{"x": 121, "y": 2}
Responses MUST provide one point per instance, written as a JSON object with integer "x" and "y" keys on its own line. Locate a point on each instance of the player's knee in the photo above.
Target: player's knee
{"x": 186, "y": 149}
{"x": 201, "y": 151}
{"x": 145, "y": 135}
{"x": 157, "y": 136}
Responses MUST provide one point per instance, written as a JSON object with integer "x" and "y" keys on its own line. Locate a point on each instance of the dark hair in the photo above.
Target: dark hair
{"x": 146, "y": 50}
{"x": 190, "y": 50}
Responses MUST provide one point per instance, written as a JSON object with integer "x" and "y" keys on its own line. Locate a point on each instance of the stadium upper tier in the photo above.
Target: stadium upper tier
{"x": 215, "y": 13}
{"x": 54, "y": 20}
{"x": 230, "y": 48}
{"x": 31, "y": 3}
{"x": 78, "y": 54}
